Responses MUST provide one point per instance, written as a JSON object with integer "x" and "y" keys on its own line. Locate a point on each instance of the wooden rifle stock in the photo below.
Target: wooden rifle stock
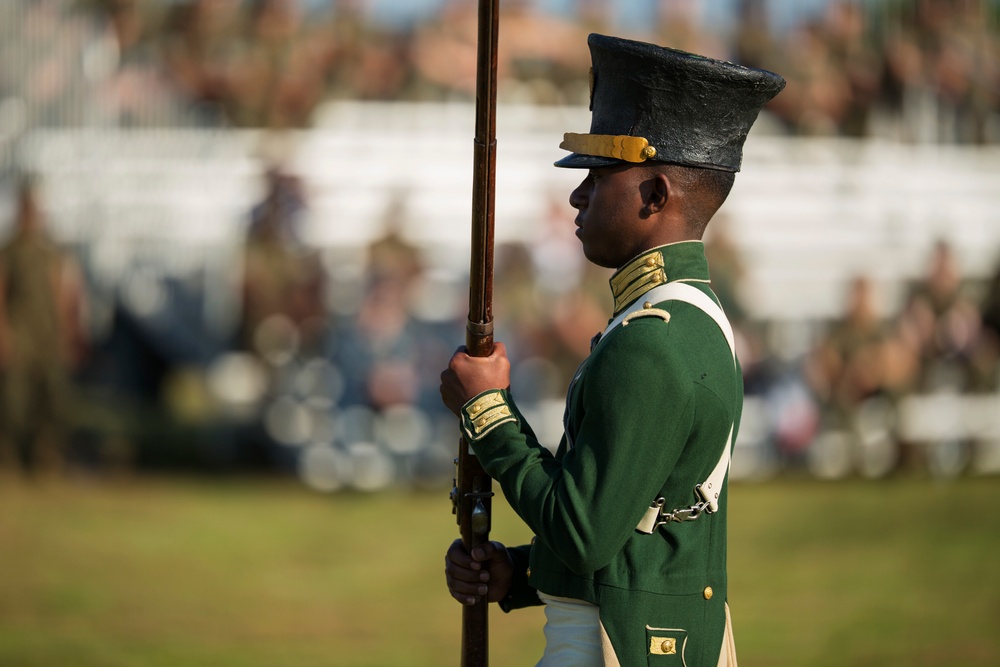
{"x": 472, "y": 495}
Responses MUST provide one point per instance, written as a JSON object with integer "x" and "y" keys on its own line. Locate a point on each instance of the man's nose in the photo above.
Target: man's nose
{"x": 578, "y": 198}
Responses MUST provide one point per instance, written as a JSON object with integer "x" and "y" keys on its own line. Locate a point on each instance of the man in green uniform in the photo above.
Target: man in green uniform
{"x": 630, "y": 513}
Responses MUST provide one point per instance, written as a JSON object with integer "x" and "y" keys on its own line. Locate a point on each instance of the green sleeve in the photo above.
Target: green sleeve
{"x": 522, "y": 594}
{"x": 631, "y": 416}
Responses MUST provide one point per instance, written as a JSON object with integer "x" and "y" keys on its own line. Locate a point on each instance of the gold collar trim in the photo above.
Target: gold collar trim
{"x": 637, "y": 277}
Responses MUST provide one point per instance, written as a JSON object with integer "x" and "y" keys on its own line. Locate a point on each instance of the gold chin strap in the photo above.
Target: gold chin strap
{"x": 621, "y": 146}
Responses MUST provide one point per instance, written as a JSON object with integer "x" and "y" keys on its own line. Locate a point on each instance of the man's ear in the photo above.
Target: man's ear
{"x": 658, "y": 192}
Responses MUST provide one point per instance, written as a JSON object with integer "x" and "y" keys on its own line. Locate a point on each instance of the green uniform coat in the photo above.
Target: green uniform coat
{"x": 648, "y": 414}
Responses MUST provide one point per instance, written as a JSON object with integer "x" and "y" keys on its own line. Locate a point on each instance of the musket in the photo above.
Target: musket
{"x": 471, "y": 497}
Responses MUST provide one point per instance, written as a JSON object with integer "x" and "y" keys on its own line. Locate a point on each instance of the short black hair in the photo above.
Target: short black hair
{"x": 706, "y": 188}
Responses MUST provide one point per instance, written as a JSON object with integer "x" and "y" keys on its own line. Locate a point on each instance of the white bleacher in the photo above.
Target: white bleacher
{"x": 807, "y": 213}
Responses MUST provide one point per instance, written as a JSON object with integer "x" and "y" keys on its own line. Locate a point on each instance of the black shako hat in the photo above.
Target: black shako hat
{"x": 654, "y": 103}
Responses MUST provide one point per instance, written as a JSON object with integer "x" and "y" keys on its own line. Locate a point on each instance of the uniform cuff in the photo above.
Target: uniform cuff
{"x": 522, "y": 594}
{"x": 486, "y": 412}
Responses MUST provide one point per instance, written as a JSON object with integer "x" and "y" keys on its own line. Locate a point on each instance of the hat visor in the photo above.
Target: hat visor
{"x": 580, "y": 161}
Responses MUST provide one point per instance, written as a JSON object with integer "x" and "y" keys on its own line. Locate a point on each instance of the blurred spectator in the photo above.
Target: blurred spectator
{"x": 594, "y": 15}
{"x": 858, "y": 358}
{"x": 278, "y": 78}
{"x": 126, "y": 67}
{"x": 391, "y": 256}
{"x": 516, "y": 304}
{"x": 444, "y": 51}
{"x": 754, "y": 41}
{"x": 41, "y": 341}
{"x": 822, "y": 90}
{"x": 383, "y": 350}
{"x": 941, "y": 323}
{"x": 200, "y": 47}
{"x": 678, "y": 26}
{"x": 545, "y": 58}
{"x": 282, "y": 279}
{"x": 852, "y": 52}
{"x": 380, "y": 350}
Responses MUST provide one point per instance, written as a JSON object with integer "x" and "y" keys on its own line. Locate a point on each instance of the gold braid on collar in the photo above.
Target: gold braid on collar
{"x": 637, "y": 277}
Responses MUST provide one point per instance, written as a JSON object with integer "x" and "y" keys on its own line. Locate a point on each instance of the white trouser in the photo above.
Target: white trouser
{"x": 572, "y": 633}
{"x": 575, "y": 637}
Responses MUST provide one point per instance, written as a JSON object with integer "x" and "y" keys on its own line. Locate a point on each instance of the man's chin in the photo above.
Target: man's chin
{"x": 595, "y": 257}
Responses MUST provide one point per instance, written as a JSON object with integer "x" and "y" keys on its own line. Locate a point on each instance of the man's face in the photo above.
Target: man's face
{"x": 610, "y": 222}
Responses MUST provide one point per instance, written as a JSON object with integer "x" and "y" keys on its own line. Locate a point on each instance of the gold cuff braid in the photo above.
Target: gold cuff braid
{"x": 484, "y": 413}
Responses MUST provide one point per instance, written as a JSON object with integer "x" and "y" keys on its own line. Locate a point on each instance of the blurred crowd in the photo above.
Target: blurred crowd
{"x": 941, "y": 340}
{"x": 331, "y": 368}
{"x": 924, "y": 70}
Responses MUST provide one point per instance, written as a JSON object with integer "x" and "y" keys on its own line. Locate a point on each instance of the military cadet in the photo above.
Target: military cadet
{"x": 629, "y": 514}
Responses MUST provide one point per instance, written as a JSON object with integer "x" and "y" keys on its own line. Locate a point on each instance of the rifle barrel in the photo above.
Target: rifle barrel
{"x": 479, "y": 334}
{"x": 473, "y": 486}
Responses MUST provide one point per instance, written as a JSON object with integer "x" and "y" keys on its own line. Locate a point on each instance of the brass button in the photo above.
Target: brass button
{"x": 649, "y": 152}
{"x": 527, "y": 572}
{"x": 708, "y": 592}
{"x": 650, "y": 261}
{"x": 647, "y": 305}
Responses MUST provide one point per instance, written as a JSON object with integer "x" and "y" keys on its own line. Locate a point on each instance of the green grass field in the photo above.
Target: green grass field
{"x": 246, "y": 573}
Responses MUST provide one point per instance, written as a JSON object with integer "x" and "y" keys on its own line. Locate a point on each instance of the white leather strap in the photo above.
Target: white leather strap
{"x": 680, "y": 291}
{"x": 710, "y": 489}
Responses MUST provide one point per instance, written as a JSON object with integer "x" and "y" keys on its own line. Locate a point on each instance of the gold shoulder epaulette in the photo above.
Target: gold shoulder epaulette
{"x": 647, "y": 310}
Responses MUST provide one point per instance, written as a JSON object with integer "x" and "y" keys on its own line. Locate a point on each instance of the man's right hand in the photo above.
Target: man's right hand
{"x": 466, "y": 377}
{"x": 488, "y": 571}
